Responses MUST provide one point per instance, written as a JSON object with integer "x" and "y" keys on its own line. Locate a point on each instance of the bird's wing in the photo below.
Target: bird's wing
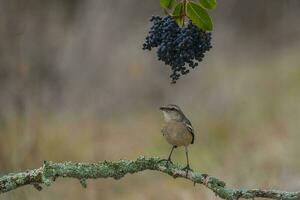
{"x": 190, "y": 128}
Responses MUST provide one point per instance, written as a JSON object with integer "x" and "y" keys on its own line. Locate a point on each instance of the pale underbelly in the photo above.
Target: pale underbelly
{"x": 177, "y": 134}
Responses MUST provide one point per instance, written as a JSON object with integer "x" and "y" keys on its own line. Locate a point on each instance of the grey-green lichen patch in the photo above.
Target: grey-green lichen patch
{"x": 215, "y": 182}
{"x": 83, "y": 171}
{"x": 13, "y": 181}
{"x": 198, "y": 178}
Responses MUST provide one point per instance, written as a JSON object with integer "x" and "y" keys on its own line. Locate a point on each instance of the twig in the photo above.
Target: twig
{"x": 50, "y": 171}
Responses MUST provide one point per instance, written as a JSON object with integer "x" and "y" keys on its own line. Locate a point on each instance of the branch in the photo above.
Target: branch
{"x": 47, "y": 174}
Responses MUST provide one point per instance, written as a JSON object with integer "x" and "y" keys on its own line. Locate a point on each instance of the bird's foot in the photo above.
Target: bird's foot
{"x": 168, "y": 162}
{"x": 187, "y": 169}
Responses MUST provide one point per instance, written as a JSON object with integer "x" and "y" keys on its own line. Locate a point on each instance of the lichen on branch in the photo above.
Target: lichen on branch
{"x": 50, "y": 171}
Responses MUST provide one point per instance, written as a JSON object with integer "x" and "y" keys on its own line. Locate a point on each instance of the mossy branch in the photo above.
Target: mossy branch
{"x": 47, "y": 174}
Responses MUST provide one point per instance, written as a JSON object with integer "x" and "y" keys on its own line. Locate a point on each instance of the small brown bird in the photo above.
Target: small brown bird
{"x": 178, "y": 130}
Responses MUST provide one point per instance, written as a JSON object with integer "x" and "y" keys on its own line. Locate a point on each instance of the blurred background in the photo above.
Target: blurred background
{"x": 75, "y": 85}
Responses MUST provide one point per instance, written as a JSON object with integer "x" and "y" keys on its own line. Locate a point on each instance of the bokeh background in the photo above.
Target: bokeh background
{"x": 75, "y": 85}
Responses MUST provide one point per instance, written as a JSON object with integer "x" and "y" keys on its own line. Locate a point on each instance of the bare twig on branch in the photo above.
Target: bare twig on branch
{"x": 50, "y": 171}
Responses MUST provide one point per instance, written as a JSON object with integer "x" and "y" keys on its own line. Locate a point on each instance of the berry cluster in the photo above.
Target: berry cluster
{"x": 177, "y": 46}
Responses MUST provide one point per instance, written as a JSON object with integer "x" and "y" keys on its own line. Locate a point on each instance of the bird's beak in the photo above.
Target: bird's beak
{"x": 162, "y": 108}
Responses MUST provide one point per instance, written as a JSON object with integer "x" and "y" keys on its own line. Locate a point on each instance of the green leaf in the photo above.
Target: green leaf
{"x": 167, "y": 4}
{"x": 199, "y": 16}
{"x": 208, "y": 4}
{"x": 178, "y": 14}
{"x": 178, "y": 10}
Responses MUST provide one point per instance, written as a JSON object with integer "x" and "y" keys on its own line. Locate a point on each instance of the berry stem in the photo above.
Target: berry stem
{"x": 184, "y": 10}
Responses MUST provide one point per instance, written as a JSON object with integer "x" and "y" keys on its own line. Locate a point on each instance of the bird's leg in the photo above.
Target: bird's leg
{"x": 187, "y": 168}
{"x": 169, "y": 158}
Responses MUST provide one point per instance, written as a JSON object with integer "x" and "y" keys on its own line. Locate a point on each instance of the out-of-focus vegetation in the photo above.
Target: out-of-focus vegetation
{"x": 75, "y": 85}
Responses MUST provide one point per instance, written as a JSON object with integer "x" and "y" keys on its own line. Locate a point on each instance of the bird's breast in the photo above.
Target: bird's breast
{"x": 176, "y": 133}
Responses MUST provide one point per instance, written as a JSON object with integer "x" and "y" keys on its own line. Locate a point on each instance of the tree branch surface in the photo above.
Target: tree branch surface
{"x": 50, "y": 171}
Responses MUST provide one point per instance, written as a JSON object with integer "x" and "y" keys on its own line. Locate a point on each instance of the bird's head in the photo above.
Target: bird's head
{"x": 172, "y": 113}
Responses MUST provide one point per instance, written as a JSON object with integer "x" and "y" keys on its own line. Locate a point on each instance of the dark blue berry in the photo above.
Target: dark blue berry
{"x": 177, "y": 46}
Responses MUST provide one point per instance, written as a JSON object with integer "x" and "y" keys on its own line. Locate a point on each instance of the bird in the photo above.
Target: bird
{"x": 178, "y": 131}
